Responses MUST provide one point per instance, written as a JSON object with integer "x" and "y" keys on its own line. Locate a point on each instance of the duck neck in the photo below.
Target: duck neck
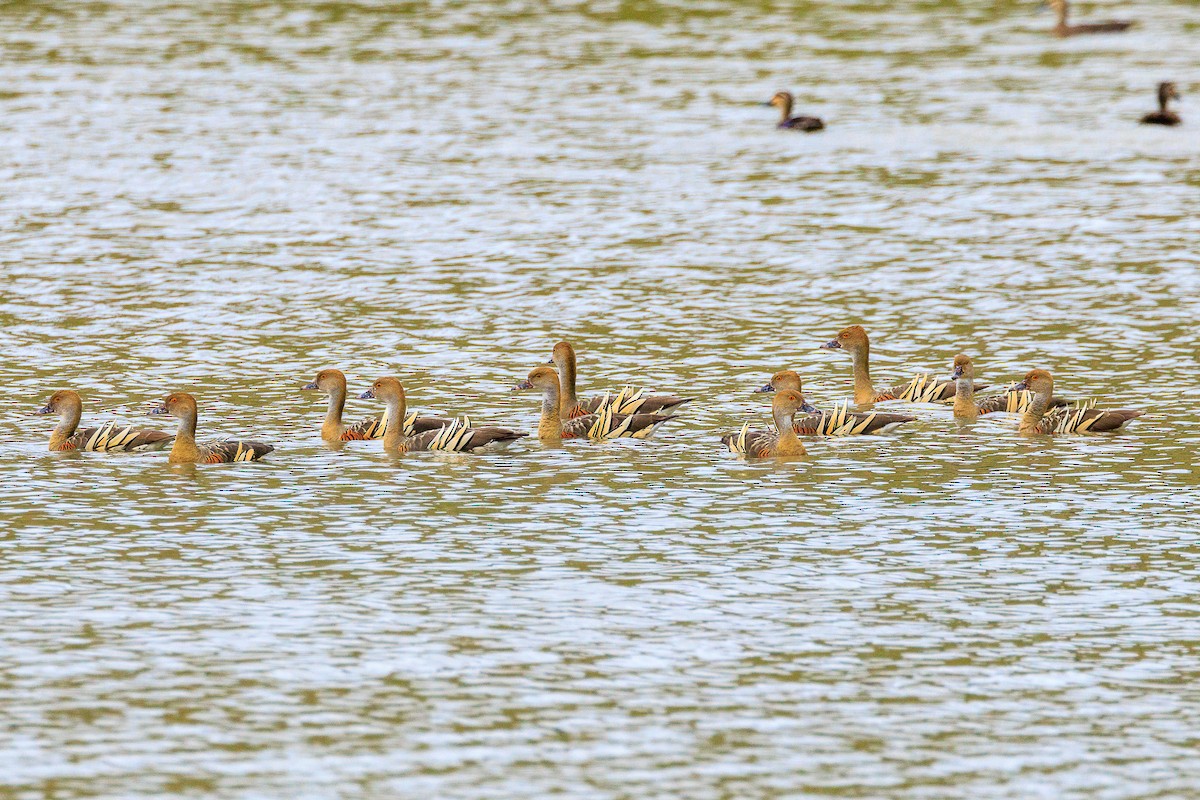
{"x": 332, "y": 428}
{"x": 550, "y": 426}
{"x": 1033, "y": 414}
{"x": 393, "y": 435}
{"x": 1163, "y": 99}
{"x": 788, "y": 443}
{"x": 1060, "y": 13}
{"x": 185, "y": 448}
{"x": 964, "y": 398}
{"x": 567, "y": 400}
{"x": 66, "y": 426}
{"x": 864, "y": 390}
{"x": 785, "y": 110}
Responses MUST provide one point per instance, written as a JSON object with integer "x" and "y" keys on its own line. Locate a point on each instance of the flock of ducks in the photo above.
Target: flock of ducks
{"x": 627, "y": 414}
{"x": 1062, "y": 29}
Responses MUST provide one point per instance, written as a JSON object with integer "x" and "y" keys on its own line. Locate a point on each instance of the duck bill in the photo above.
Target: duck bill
{"x": 369, "y": 394}
{"x": 523, "y": 386}
{"x": 46, "y": 409}
{"x": 158, "y": 410}
{"x": 763, "y": 389}
{"x": 832, "y": 344}
{"x": 809, "y": 408}
{"x": 1020, "y": 386}
{"x": 308, "y": 387}
{"x": 958, "y": 373}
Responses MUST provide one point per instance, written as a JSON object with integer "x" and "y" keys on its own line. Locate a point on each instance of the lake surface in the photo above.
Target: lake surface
{"x": 224, "y": 198}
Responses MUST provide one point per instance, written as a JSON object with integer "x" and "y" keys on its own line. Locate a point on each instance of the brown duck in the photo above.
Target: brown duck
{"x": 841, "y": 422}
{"x": 107, "y": 438}
{"x": 1063, "y": 30}
{"x": 627, "y": 401}
{"x": 1035, "y": 420}
{"x": 781, "y": 442}
{"x": 182, "y": 406}
{"x": 457, "y": 437}
{"x": 921, "y": 389}
{"x": 605, "y": 424}
{"x": 333, "y": 383}
{"x": 784, "y": 101}
{"x": 1164, "y": 116}
{"x": 967, "y": 407}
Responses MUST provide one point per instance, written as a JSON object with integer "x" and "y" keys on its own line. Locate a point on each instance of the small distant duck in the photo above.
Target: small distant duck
{"x": 841, "y": 422}
{"x": 627, "y": 401}
{"x": 182, "y": 406}
{"x": 783, "y": 101}
{"x": 967, "y": 407}
{"x": 605, "y": 424}
{"x": 1068, "y": 420}
{"x": 1164, "y": 116}
{"x": 108, "y": 437}
{"x": 921, "y": 389}
{"x": 457, "y": 437}
{"x": 333, "y": 383}
{"x": 1062, "y": 29}
{"x": 767, "y": 444}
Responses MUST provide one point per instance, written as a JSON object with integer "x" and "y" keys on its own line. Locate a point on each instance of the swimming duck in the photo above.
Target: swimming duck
{"x": 182, "y": 406}
{"x": 1062, "y": 29}
{"x": 108, "y": 437}
{"x": 783, "y": 101}
{"x": 627, "y": 401}
{"x": 457, "y": 437}
{"x": 1164, "y": 116}
{"x": 780, "y": 442}
{"x": 841, "y": 422}
{"x": 921, "y": 389}
{"x": 1067, "y": 420}
{"x": 333, "y": 383}
{"x": 967, "y": 407}
{"x": 605, "y": 424}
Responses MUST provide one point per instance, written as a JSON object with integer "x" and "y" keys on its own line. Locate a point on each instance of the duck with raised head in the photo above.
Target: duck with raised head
{"x": 333, "y": 383}
{"x": 1062, "y": 29}
{"x": 182, "y": 406}
{"x": 967, "y": 407}
{"x": 921, "y": 389}
{"x": 109, "y": 437}
{"x": 1164, "y": 116}
{"x": 626, "y": 401}
{"x": 457, "y": 437}
{"x": 781, "y": 442}
{"x": 1084, "y": 419}
{"x": 605, "y": 424}
{"x": 840, "y": 422}
{"x": 784, "y": 101}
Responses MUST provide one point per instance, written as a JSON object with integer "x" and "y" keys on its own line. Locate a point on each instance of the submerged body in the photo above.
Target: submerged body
{"x": 784, "y": 102}
{"x": 109, "y": 437}
{"x": 1036, "y": 420}
{"x": 1063, "y": 29}
{"x": 627, "y": 401}
{"x": 333, "y": 383}
{"x": 967, "y": 407}
{"x": 457, "y": 437}
{"x": 779, "y": 443}
{"x": 554, "y": 425}
{"x": 182, "y": 406}
{"x": 921, "y": 389}
{"x": 1164, "y": 116}
{"x": 840, "y": 422}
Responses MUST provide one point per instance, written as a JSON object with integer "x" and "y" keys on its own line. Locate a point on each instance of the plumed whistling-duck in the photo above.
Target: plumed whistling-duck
{"x": 1062, "y": 29}
{"x": 1164, "y": 116}
{"x": 1068, "y": 420}
{"x": 780, "y": 442}
{"x": 921, "y": 389}
{"x": 784, "y": 101}
{"x": 605, "y": 424}
{"x": 627, "y": 401}
{"x": 967, "y": 407}
{"x": 108, "y": 437}
{"x": 182, "y": 406}
{"x": 841, "y": 422}
{"x": 458, "y": 437}
{"x": 333, "y": 383}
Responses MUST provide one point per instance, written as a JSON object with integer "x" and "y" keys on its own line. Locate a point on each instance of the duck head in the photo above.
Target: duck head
{"x": 328, "y": 381}
{"x": 963, "y": 368}
{"x": 63, "y": 403}
{"x": 179, "y": 404}
{"x": 386, "y": 389}
{"x": 1167, "y": 91}
{"x": 852, "y": 340}
{"x": 541, "y": 378}
{"x": 784, "y": 379}
{"x": 1037, "y": 381}
{"x": 783, "y": 101}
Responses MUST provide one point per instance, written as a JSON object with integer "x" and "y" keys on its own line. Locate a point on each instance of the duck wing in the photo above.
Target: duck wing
{"x": 230, "y": 450}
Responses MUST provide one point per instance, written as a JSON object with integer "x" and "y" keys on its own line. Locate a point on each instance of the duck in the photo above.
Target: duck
{"x": 921, "y": 389}
{"x": 967, "y": 407}
{"x": 784, "y": 101}
{"x": 1164, "y": 116}
{"x": 1084, "y": 419}
{"x": 841, "y": 422}
{"x": 781, "y": 442}
{"x": 1063, "y": 30}
{"x": 457, "y": 437}
{"x": 627, "y": 401}
{"x": 607, "y": 423}
{"x": 333, "y": 383}
{"x": 182, "y": 406}
{"x": 109, "y": 437}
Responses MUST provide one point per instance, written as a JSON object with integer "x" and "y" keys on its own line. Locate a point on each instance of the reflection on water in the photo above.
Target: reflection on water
{"x": 224, "y": 199}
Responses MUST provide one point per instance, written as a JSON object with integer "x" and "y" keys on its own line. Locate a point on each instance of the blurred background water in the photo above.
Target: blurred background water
{"x": 224, "y": 198}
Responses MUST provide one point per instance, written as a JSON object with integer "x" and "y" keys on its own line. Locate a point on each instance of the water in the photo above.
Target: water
{"x": 224, "y": 199}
